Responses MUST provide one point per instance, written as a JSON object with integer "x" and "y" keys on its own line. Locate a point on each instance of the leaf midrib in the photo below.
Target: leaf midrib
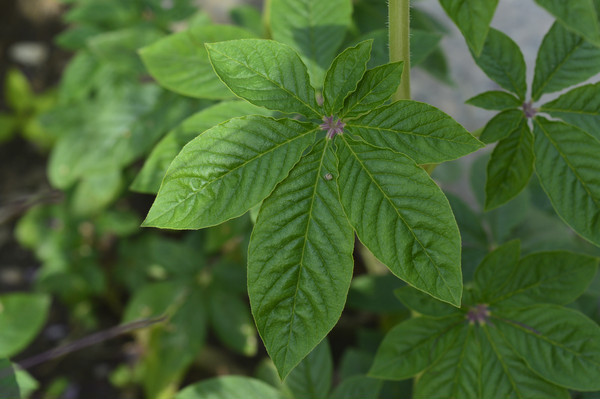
{"x": 305, "y": 240}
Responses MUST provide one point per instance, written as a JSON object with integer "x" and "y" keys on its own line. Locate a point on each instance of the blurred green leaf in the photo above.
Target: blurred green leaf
{"x": 22, "y": 316}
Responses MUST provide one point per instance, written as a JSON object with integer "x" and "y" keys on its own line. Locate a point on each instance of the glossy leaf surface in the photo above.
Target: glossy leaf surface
{"x": 564, "y": 59}
{"x": 227, "y": 170}
{"x": 502, "y": 125}
{"x": 579, "y": 107}
{"x": 149, "y": 178}
{"x": 374, "y": 89}
{"x": 381, "y": 192}
{"x": 559, "y": 344}
{"x": 496, "y": 269}
{"x": 413, "y": 345}
{"x": 566, "y": 161}
{"x": 482, "y": 365}
{"x": 266, "y": 73}
{"x": 502, "y": 60}
{"x": 422, "y": 303}
{"x": 300, "y": 260}
{"x": 510, "y": 167}
{"x": 418, "y": 130}
{"x": 344, "y": 74}
{"x": 546, "y": 277}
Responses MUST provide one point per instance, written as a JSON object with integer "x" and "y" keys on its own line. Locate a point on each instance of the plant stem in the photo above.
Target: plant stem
{"x": 399, "y": 30}
{"x": 267, "y": 17}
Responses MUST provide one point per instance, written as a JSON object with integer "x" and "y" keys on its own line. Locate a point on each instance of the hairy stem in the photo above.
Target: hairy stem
{"x": 399, "y": 30}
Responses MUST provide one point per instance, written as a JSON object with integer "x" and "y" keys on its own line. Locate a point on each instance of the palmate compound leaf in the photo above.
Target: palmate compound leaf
{"x": 227, "y": 170}
{"x": 566, "y": 161}
{"x": 508, "y": 349}
{"x": 418, "y": 130}
{"x": 344, "y": 74}
{"x": 402, "y": 216}
{"x": 564, "y": 59}
{"x": 510, "y": 167}
{"x": 579, "y": 107}
{"x": 300, "y": 260}
{"x": 473, "y": 18}
{"x": 266, "y": 73}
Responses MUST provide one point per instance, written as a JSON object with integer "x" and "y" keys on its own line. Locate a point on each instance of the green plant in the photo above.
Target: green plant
{"x": 326, "y": 145}
{"x": 299, "y": 265}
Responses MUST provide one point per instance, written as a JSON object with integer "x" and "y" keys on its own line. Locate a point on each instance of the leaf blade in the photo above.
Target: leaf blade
{"x": 547, "y": 277}
{"x": 579, "y": 107}
{"x": 566, "y": 155}
{"x": 472, "y": 18}
{"x": 266, "y": 73}
{"x": 344, "y": 74}
{"x": 510, "y": 167}
{"x": 374, "y": 89}
{"x": 564, "y": 59}
{"x": 559, "y": 344}
{"x": 412, "y": 345}
{"x": 380, "y": 192}
{"x": 149, "y": 178}
{"x": 494, "y": 100}
{"x": 578, "y": 16}
{"x": 501, "y": 125}
{"x": 202, "y": 186}
{"x": 418, "y": 130}
{"x": 300, "y": 262}
{"x": 502, "y": 61}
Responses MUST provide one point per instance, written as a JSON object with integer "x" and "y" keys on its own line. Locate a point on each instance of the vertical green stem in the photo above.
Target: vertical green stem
{"x": 267, "y": 17}
{"x": 399, "y": 28}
